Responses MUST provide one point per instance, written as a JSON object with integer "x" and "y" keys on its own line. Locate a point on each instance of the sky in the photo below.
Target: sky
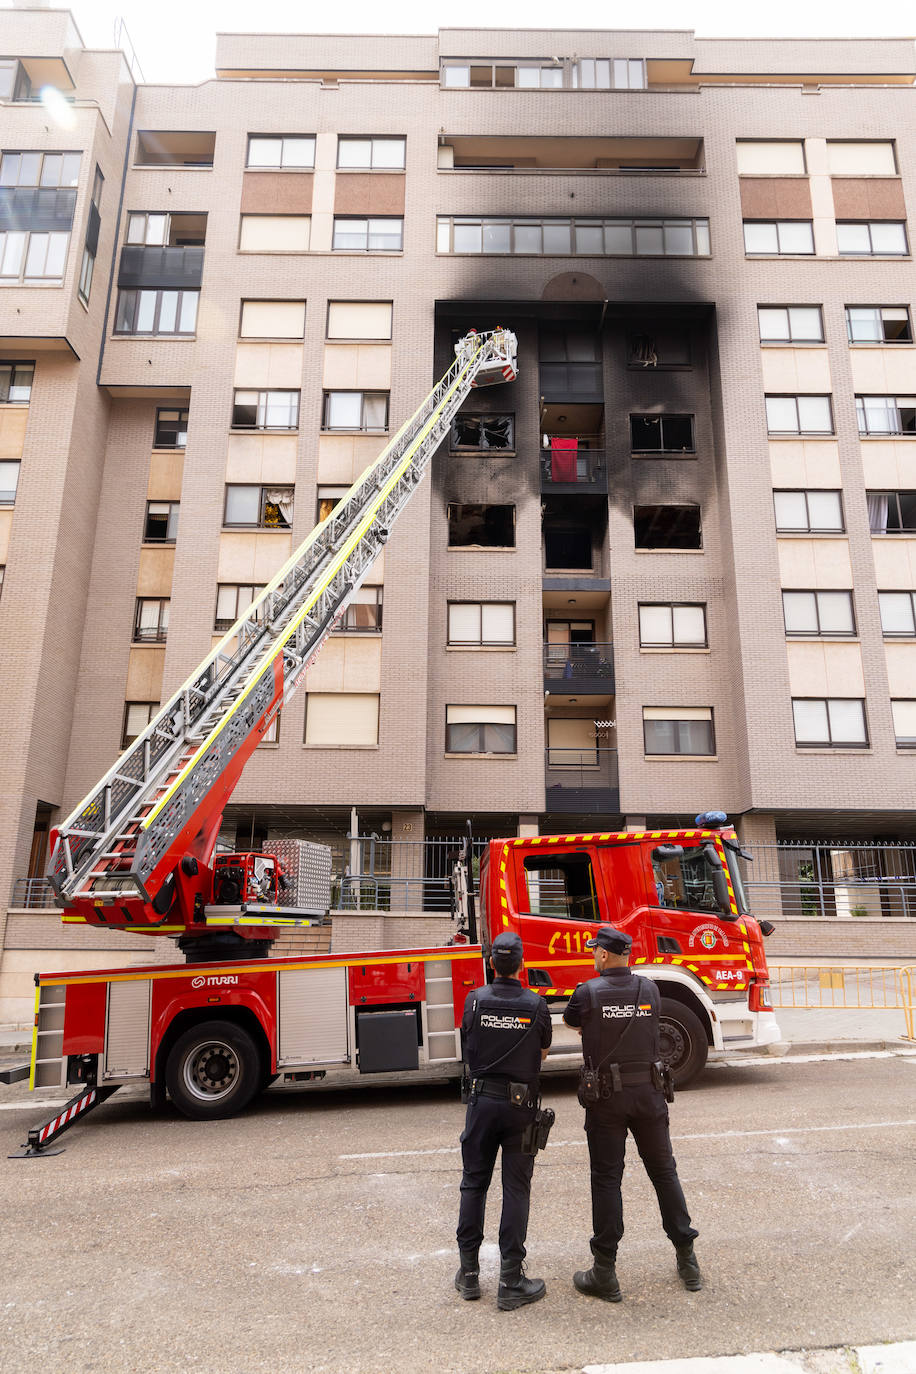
{"x": 175, "y": 39}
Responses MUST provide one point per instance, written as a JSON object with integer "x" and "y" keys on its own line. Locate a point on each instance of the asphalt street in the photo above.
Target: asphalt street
{"x": 316, "y": 1232}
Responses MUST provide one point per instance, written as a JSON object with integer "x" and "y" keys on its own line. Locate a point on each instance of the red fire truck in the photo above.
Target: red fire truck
{"x": 138, "y": 854}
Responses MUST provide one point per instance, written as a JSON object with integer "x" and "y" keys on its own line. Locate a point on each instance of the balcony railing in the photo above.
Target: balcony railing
{"x": 582, "y": 780}
{"x": 166, "y": 269}
{"x": 584, "y": 469}
{"x": 32, "y": 894}
{"x": 579, "y": 667}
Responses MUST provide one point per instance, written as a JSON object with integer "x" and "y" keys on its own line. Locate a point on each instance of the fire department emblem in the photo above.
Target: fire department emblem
{"x": 708, "y": 937}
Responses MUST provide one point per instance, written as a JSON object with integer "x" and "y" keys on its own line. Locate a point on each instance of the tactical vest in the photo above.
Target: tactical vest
{"x": 504, "y": 1041}
{"x": 610, "y": 1010}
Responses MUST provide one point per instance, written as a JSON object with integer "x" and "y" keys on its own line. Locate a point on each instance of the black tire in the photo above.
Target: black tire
{"x": 683, "y": 1041}
{"x": 213, "y": 1071}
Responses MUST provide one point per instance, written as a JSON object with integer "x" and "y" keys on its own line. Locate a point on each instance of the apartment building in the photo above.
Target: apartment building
{"x": 672, "y": 566}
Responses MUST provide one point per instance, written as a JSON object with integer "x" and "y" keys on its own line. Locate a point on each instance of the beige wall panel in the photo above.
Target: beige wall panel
{"x": 266, "y": 458}
{"x": 13, "y": 420}
{"x": 895, "y": 563}
{"x": 357, "y": 366}
{"x": 348, "y": 663}
{"x": 165, "y": 473}
{"x": 274, "y": 234}
{"x": 269, "y": 365}
{"x": 251, "y": 556}
{"x": 144, "y": 675}
{"x": 825, "y": 670}
{"x": 805, "y": 463}
{"x": 901, "y": 669}
{"x": 814, "y": 563}
{"x": 795, "y": 369}
{"x": 884, "y": 371}
{"x": 6, "y": 524}
{"x": 889, "y": 463}
{"x": 154, "y": 577}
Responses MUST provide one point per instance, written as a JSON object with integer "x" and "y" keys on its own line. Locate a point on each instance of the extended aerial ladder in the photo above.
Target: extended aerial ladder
{"x": 135, "y": 854}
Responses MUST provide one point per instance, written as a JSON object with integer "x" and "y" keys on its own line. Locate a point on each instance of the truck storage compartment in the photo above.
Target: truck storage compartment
{"x": 388, "y": 1041}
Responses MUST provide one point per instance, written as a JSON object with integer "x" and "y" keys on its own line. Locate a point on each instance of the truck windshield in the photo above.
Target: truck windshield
{"x": 686, "y": 882}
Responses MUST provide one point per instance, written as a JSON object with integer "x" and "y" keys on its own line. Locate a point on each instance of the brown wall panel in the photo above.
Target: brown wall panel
{"x": 276, "y": 193}
{"x": 369, "y": 193}
{"x": 775, "y": 198}
{"x": 868, "y": 198}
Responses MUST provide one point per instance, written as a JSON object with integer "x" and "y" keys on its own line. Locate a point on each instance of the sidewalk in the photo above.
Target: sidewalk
{"x": 899, "y": 1358}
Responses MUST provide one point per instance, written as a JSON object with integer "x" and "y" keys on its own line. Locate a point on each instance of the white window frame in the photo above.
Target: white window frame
{"x": 797, "y": 399}
{"x": 282, "y": 164}
{"x": 872, "y": 228}
{"x": 910, "y": 597}
{"x": 809, "y": 528}
{"x": 820, "y": 598}
{"x": 791, "y": 335}
{"x": 673, "y": 641}
{"x": 482, "y": 639}
{"x": 343, "y": 140}
{"x": 340, "y": 221}
{"x": 829, "y": 742}
{"x": 879, "y": 314}
{"x": 781, "y": 228}
{"x": 893, "y": 407}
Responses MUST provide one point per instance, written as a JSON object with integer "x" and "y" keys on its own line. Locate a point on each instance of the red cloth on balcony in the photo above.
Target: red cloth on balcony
{"x": 563, "y": 465}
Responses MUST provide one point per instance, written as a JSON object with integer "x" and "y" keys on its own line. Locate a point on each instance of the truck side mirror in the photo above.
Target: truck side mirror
{"x": 719, "y": 882}
{"x": 663, "y": 852}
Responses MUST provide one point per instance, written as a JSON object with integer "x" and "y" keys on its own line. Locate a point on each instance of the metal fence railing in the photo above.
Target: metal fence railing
{"x": 382, "y": 874}
{"x": 32, "y": 894}
{"x": 831, "y": 880}
{"x": 573, "y": 663}
{"x": 845, "y": 987}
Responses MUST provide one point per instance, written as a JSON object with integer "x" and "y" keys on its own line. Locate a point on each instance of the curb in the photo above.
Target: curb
{"x": 894, "y": 1358}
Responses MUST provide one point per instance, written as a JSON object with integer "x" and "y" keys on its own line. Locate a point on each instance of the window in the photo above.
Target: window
{"x": 891, "y": 512}
{"x": 2, "y": 577}
{"x": 375, "y": 154}
{"x": 622, "y": 238}
{"x": 274, "y": 233}
{"x": 16, "y": 383}
{"x": 778, "y": 237}
{"x": 272, "y": 151}
{"x": 363, "y": 410}
{"x": 9, "y": 481}
{"x": 272, "y": 734}
{"x": 481, "y": 624}
{"x": 368, "y": 235}
{"x": 898, "y": 614}
{"x": 846, "y": 158}
{"x": 818, "y": 613}
{"x": 667, "y": 527}
{"x": 265, "y": 508}
{"x": 603, "y": 74}
{"x": 98, "y": 184}
{"x": 232, "y": 601}
{"x": 662, "y": 434}
{"x": 799, "y": 415}
{"x": 671, "y": 625}
{"x": 886, "y": 414}
{"x": 687, "y": 882}
{"x": 872, "y": 239}
{"x": 51, "y": 170}
{"x": 790, "y": 324}
{"x": 137, "y": 716}
{"x": 887, "y": 324}
{"x": 148, "y": 230}
{"x": 328, "y": 498}
{"x": 151, "y": 621}
{"x": 342, "y": 718}
{"x": 678, "y": 730}
{"x": 831, "y": 722}
{"x": 171, "y": 429}
{"x": 87, "y": 267}
{"x": 567, "y": 545}
{"x": 265, "y": 410}
{"x": 359, "y": 320}
{"x": 659, "y": 348}
{"x": 364, "y": 613}
{"x": 272, "y": 320}
{"x": 161, "y": 526}
{"x": 14, "y": 80}
{"x": 476, "y": 432}
{"x": 31, "y": 257}
{"x": 808, "y": 512}
{"x": 156, "y": 312}
{"x": 904, "y": 713}
{"x": 175, "y": 148}
{"x": 480, "y": 526}
{"x": 777, "y": 157}
{"x": 562, "y": 886}
{"x": 480, "y": 730}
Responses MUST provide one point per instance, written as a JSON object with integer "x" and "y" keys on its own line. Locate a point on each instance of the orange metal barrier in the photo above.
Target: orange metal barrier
{"x": 852, "y": 987}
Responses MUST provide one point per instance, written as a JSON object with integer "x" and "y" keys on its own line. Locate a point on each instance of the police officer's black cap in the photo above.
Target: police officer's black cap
{"x": 507, "y": 948}
{"x": 608, "y": 937}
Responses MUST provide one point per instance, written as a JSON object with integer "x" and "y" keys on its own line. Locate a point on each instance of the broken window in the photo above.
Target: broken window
{"x": 259, "y": 507}
{"x": 483, "y": 432}
{"x": 171, "y": 429}
{"x": 667, "y": 527}
{"x": 662, "y": 434}
{"x": 478, "y": 525}
{"x": 151, "y": 620}
{"x": 568, "y": 546}
{"x": 161, "y": 525}
{"x": 328, "y": 498}
{"x": 661, "y": 348}
{"x": 878, "y": 324}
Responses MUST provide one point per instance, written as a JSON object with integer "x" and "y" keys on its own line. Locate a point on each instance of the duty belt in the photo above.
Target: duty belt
{"x": 494, "y": 1087}
{"x": 618, "y": 1076}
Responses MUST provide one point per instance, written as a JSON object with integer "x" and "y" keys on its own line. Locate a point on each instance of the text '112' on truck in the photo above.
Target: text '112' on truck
{"x": 138, "y": 854}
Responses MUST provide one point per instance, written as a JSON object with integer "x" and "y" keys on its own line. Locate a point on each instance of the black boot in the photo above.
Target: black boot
{"x": 515, "y": 1290}
{"x": 600, "y": 1281}
{"x": 467, "y": 1280}
{"x": 688, "y": 1269}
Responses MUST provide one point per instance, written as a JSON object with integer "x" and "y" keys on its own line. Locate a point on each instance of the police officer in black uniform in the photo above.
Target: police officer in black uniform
{"x": 505, "y": 1034}
{"x": 617, "y": 1015}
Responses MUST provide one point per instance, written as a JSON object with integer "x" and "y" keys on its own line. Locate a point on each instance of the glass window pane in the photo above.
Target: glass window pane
{"x": 124, "y": 318}
{"x": 388, "y": 152}
{"x": 824, "y": 510}
{"x": 51, "y": 169}
{"x": 864, "y": 322}
{"x": 298, "y": 152}
{"x": 637, "y": 74}
{"x": 136, "y": 228}
{"x": 847, "y": 722}
{"x": 385, "y": 234}
{"x": 795, "y": 236}
{"x": 467, "y": 238}
{"x": 29, "y": 164}
{"x": 57, "y": 254}
{"x": 621, "y": 73}
{"x": 678, "y": 239}
{"x": 498, "y": 624}
{"x": 897, "y": 616}
{"x": 351, "y": 233}
{"x": 344, "y": 409}
{"x": 800, "y": 611}
{"x": 527, "y": 77}
{"x": 457, "y": 76}
{"x": 590, "y": 239}
{"x": 35, "y": 258}
{"x": 814, "y": 415}
{"x": 527, "y": 238}
{"x": 888, "y": 238}
{"x": 774, "y": 324}
{"x": 782, "y": 415}
{"x": 243, "y": 505}
{"x": 585, "y": 73}
{"x": 853, "y": 238}
{"x": 557, "y": 237}
{"x": 281, "y": 409}
{"x": 689, "y": 625}
{"x": 880, "y": 414}
{"x": 245, "y": 409}
{"x": 791, "y": 510}
{"x": 443, "y": 236}
{"x": 806, "y": 323}
{"x": 226, "y": 603}
{"x": 655, "y": 627}
{"x": 618, "y": 238}
{"x": 810, "y": 722}
{"x": 375, "y": 410}
{"x": 464, "y": 623}
{"x": 146, "y": 311}
{"x": 650, "y": 240}
{"x": 835, "y": 613}
{"x": 188, "y": 318}
{"x": 168, "y": 312}
{"x": 660, "y": 736}
{"x": 760, "y": 238}
{"x": 701, "y": 227}
{"x": 264, "y": 152}
{"x": 496, "y": 236}
{"x": 156, "y": 229}
{"x": 354, "y": 152}
{"x": 9, "y": 169}
{"x": 904, "y": 713}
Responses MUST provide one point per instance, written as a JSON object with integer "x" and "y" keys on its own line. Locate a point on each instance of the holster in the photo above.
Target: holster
{"x": 534, "y": 1136}
{"x": 663, "y": 1079}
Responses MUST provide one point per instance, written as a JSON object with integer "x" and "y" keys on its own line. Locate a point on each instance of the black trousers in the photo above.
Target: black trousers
{"x": 642, "y": 1110}
{"x": 491, "y": 1125}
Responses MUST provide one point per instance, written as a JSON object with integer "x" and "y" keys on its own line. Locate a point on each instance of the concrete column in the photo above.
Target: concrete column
{"x": 408, "y": 831}
{"x": 757, "y": 834}
{"x": 634, "y": 823}
{"x": 528, "y": 825}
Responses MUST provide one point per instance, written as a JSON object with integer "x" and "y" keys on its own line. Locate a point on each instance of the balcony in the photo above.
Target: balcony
{"x": 158, "y": 268}
{"x": 586, "y": 669}
{"x": 32, "y": 894}
{"x": 571, "y": 472}
{"x": 581, "y": 781}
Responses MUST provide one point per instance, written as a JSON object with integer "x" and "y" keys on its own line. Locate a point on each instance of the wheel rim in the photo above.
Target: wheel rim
{"x": 211, "y": 1071}
{"x": 674, "y": 1043}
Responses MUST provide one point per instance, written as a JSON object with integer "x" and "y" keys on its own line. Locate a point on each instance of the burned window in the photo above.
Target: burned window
{"x": 667, "y": 527}
{"x": 479, "y": 525}
{"x": 662, "y": 434}
{"x": 661, "y": 348}
{"x": 567, "y": 546}
{"x": 475, "y": 432}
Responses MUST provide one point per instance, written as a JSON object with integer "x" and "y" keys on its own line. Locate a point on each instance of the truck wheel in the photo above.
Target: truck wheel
{"x": 213, "y": 1071}
{"x": 683, "y": 1041}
